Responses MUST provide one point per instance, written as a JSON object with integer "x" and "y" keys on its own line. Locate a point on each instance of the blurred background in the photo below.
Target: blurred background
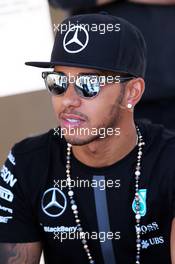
{"x": 26, "y": 30}
{"x": 27, "y": 34}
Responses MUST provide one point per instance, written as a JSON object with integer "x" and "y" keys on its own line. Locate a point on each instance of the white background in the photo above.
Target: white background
{"x": 25, "y": 35}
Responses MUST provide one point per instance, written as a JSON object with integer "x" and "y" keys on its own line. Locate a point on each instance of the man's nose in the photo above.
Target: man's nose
{"x": 71, "y": 98}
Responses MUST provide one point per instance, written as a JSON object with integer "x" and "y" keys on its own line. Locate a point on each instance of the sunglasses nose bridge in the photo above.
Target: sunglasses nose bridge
{"x": 71, "y": 90}
{"x": 71, "y": 97}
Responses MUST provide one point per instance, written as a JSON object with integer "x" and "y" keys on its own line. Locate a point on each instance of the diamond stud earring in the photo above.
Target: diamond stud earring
{"x": 129, "y": 106}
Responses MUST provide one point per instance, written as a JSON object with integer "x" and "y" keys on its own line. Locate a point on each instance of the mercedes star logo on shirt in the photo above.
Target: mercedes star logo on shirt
{"x": 54, "y": 202}
{"x": 76, "y": 39}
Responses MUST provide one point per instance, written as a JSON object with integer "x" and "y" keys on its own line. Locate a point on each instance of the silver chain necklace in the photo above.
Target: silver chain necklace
{"x": 74, "y": 207}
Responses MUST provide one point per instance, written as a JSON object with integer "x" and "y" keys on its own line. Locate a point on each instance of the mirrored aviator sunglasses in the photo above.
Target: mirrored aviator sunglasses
{"x": 86, "y": 85}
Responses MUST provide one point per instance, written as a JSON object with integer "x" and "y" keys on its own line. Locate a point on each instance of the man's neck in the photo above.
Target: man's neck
{"x": 105, "y": 152}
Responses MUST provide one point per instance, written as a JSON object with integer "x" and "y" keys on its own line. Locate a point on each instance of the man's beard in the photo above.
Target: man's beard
{"x": 114, "y": 115}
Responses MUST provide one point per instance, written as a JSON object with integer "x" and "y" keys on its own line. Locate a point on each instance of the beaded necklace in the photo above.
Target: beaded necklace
{"x": 140, "y": 143}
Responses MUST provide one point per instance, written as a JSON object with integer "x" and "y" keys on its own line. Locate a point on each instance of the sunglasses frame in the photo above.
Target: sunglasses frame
{"x": 46, "y": 73}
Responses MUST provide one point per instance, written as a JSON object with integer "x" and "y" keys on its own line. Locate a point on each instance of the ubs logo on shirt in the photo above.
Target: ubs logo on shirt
{"x": 152, "y": 241}
{"x": 53, "y": 202}
{"x": 143, "y": 208}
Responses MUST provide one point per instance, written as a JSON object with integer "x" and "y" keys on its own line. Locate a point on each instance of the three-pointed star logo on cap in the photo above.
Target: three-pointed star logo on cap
{"x": 69, "y": 42}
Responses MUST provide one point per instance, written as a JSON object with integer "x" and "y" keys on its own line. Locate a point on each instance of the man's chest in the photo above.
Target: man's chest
{"x": 109, "y": 198}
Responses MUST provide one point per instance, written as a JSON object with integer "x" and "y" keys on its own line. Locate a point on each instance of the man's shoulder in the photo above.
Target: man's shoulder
{"x": 158, "y": 135}
{"x": 33, "y": 143}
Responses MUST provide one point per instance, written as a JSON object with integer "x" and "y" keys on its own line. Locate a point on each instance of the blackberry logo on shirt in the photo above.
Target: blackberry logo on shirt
{"x": 53, "y": 202}
{"x": 143, "y": 208}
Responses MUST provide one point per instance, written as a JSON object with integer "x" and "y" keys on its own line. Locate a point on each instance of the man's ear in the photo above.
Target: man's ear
{"x": 134, "y": 91}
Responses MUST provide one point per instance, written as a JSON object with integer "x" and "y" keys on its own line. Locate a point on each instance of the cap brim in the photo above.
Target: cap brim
{"x": 40, "y": 64}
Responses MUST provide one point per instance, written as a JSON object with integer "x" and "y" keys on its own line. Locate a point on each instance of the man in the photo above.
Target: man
{"x": 105, "y": 191}
{"x": 155, "y": 19}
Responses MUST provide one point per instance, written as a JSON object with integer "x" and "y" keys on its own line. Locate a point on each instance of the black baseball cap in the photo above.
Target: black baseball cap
{"x": 98, "y": 41}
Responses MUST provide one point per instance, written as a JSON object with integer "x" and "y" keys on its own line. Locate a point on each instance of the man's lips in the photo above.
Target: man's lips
{"x": 72, "y": 116}
{"x": 71, "y": 120}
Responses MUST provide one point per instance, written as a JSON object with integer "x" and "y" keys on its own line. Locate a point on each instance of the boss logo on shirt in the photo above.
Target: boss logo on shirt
{"x": 53, "y": 202}
{"x": 142, "y": 196}
{"x": 149, "y": 228}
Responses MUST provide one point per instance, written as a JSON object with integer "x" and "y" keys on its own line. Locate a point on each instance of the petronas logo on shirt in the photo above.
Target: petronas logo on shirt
{"x": 142, "y": 196}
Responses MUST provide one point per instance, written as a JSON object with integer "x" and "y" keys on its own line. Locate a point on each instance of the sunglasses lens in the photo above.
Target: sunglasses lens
{"x": 56, "y": 83}
{"x": 87, "y": 86}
